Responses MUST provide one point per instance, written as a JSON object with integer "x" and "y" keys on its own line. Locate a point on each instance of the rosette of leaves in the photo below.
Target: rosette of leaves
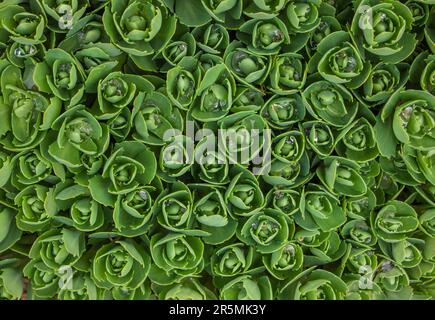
{"x": 264, "y": 8}
{"x": 117, "y": 91}
{"x": 405, "y": 253}
{"x": 319, "y": 210}
{"x": 214, "y": 95}
{"x": 383, "y": 81}
{"x": 328, "y": 24}
{"x": 11, "y": 278}
{"x": 394, "y": 222}
{"x": 60, "y": 74}
{"x": 62, "y": 15}
{"x": 330, "y": 250}
{"x": 266, "y": 230}
{"x": 81, "y": 287}
{"x": 288, "y": 73}
{"x": 173, "y": 209}
{"x": 139, "y": 27}
{"x": 85, "y": 213}
{"x": 285, "y": 262}
{"x": 247, "y": 67}
{"x": 284, "y": 173}
{"x": 227, "y": 12}
{"x": 58, "y": 247}
{"x": 341, "y": 176}
{"x": 319, "y": 137}
{"x": 120, "y": 264}
{"x": 423, "y": 72}
{"x": 288, "y": 146}
{"x": 420, "y": 13}
{"x": 243, "y": 196}
{"x": 288, "y": 201}
{"x": 314, "y": 285}
{"x": 330, "y": 102}
{"x": 310, "y": 238}
{"x": 337, "y": 60}
{"x": 25, "y": 115}
{"x": 359, "y": 208}
{"x": 187, "y": 289}
{"x": 210, "y": 166}
{"x": 408, "y": 118}
{"x": 76, "y": 133}
{"x": 152, "y": 116}
{"x": 182, "y": 82}
{"x": 175, "y": 157}
{"x": 247, "y": 287}
{"x": 281, "y": 112}
{"x": 303, "y": 16}
{"x": 211, "y": 213}
{"x": 21, "y": 54}
{"x": 391, "y": 277}
{"x": 264, "y": 37}
{"x": 43, "y": 280}
{"x": 24, "y": 26}
{"x": 244, "y": 135}
{"x": 130, "y": 166}
{"x": 384, "y": 30}
{"x": 234, "y": 260}
{"x": 362, "y": 260}
{"x": 30, "y": 167}
{"x": 358, "y": 233}
{"x": 247, "y": 98}
{"x": 32, "y": 204}
{"x": 212, "y": 38}
{"x": 403, "y": 167}
{"x": 176, "y": 256}
{"x": 133, "y": 211}
{"x": 419, "y": 164}
{"x": 357, "y": 141}
{"x": 427, "y": 221}
{"x": 9, "y": 232}
{"x": 176, "y": 50}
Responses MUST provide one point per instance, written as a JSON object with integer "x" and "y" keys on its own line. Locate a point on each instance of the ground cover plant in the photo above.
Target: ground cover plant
{"x": 217, "y": 149}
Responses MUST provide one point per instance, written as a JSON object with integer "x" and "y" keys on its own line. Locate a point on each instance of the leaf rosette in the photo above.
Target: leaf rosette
{"x": 395, "y": 221}
{"x": 330, "y": 102}
{"x": 60, "y": 74}
{"x": 74, "y": 134}
{"x": 281, "y": 112}
{"x": 284, "y": 262}
{"x": 384, "y": 30}
{"x": 176, "y": 256}
{"x": 264, "y": 37}
{"x": 25, "y": 115}
{"x": 247, "y": 287}
{"x": 288, "y": 73}
{"x": 266, "y": 230}
{"x": 337, "y": 60}
{"x": 314, "y": 285}
{"x": 123, "y": 263}
{"x": 139, "y": 27}
{"x": 243, "y": 196}
{"x": 152, "y": 116}
{"x": 58, "y": 247}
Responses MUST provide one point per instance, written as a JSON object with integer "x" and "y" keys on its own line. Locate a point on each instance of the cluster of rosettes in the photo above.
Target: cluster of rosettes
{"x": 89, "y": 89}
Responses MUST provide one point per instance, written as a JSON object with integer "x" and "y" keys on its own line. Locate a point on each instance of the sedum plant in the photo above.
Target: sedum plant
{"x": 217, "y": 150}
